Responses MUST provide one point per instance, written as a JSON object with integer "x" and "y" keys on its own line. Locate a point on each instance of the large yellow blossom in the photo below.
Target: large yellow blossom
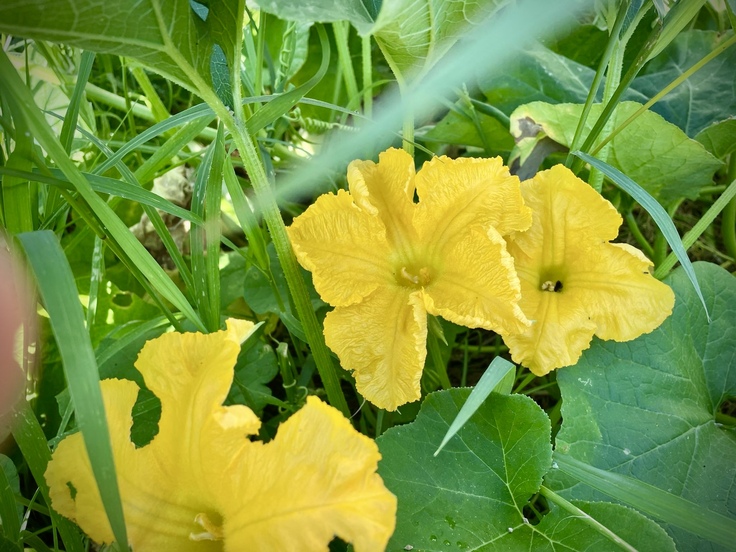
{"x": 574, "y": 283}
{"x": 202, "y": 485}
{"x": 384, "y": 261}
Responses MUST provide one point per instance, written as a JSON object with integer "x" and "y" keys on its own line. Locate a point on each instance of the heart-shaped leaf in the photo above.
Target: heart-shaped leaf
{"x": 472, "y": 495}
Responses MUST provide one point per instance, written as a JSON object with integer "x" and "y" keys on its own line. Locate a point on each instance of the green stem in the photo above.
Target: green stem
{"x": 342, "y": 30}
{"x": 638, "y": 235}
{"x": 379, "y": 422}
{"x": 436, "y": 355}
{"x": 271, "y": 214}
{"x": 666, "y": 90}
{"x": 725, "y": 419}
{"x": 612, "y": 42}
{"x": 728, "y": 222}
{"x": 367, "y": 77}
{"x": 138, "y": 110}
{"x": 578, "y": 513}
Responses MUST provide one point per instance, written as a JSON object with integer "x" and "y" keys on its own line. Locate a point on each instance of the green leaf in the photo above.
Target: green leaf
{"x": 706, "y": 97}
{"x": 185, "y": 41}
{"x": 457, "y": 128}
{"x": 536, "y": 74}
{"x": 254, "y": 370}
{"x": 471, "y": 497}
{"x": 648, "y": 408}
{"x": 361, "y": 13}
{"x": 654, "y": 153}
{"x": 415, "y": 34}
{"x": 59, "y": 293}
{"x": 10, "y": 514}
{"x": 719, "y": 138}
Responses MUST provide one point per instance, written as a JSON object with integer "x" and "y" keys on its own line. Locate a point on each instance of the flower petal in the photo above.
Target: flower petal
{"x": 575, "y": 284}
{"x": 191, "y": 373}
{"x": 567, "y": 212}
{"x": 623, "y": 298}
{"x": 561, "y": 329}
{"x": 315, "y": 480}
{"x": 386, "y": 189}
{"x": 72, "y": 485}
{"x": 476, "y": 285}
{"x": 343, "y": 246}
{"x": 384, "y": 341}
{"x": 456, "y": 193}
{"x": 158, "y": 513}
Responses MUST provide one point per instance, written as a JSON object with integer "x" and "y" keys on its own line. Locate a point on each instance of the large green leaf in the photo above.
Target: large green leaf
{"x": 536, "y": 74}
{"x": 461, "y": 129}
{"x": 471, "y": 496}
{"x": 654, "y": 153}
{"x": 647, "y": 408}
{"x": 413, "y": 34}
{"x": 185, "y": 40}
{"x": 706, "y": 97}
{"x": 719, "y": 138}
{"x": 361, "y": 13}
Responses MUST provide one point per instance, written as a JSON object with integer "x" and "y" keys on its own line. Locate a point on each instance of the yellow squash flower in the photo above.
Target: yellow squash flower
{"x": 384, "y": 261}
{"x": 202, "y": 485}
{"x": 574, "y": 283}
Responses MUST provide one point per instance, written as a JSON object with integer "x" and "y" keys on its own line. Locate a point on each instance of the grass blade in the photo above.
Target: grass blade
{"x": 653, "y": 501}
{"x": 13, "y": 86}
{"x": 205, "y": 240}
{"x": 701, "y": 226}
{"x": 655, "y": 210}
{"x": 72, "y": 112}
{"x": 61, "y": 300}
{"x": 111, "y": 186}
{"x": 494, "y": 375}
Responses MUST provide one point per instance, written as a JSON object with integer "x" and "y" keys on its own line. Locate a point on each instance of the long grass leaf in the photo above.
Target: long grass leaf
{"x": 61, "y": 300}
{"x": 11, "y": 84}
{"x": 75, "y": 101}
{"x": 653, "y": 501}
{"x": 205, "y": 240}
{"x": 494, "y": 375}
{"x": 655, "y": 210}
{"x": 111, "y": 186}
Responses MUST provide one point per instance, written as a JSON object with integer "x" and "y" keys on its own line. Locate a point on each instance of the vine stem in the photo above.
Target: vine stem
{"x": 666, "y": 90}
{"x": 578, "y": 513}
{"x": 234, "y": 121}
{"x": 297, "y": 286}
